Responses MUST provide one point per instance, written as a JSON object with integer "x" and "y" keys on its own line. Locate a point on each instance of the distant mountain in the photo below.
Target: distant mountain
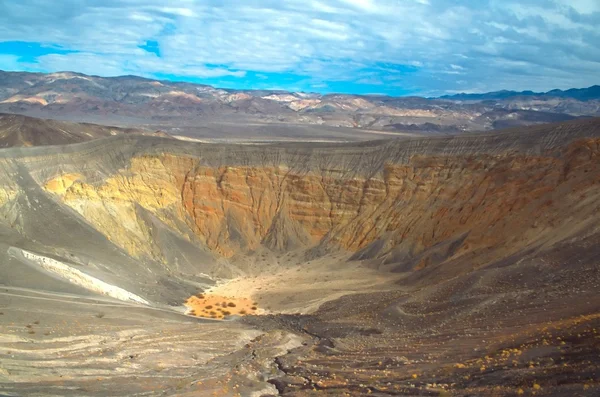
{"x": 18, "y": 130}
{"x": 198, "y": 111}
{"x": 580, "y": 94}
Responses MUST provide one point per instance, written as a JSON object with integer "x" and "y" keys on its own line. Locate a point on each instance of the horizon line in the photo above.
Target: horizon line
{"x": 182, "y": 80}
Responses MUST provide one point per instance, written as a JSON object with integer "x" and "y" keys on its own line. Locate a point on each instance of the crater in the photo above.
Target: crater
{"x": 416, "y": 266}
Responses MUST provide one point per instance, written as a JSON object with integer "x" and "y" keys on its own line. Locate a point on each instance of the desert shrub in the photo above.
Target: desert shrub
{"x": 243, "y": 311}
{"x": 224, "y": 304}
{"x": 209, "y": 307}
{"x": 36, "y": 322}
{"x": 212, "y": 313}
{"x": 254, "y": 308}
{"x": 231, "y": 304}
{"x": 31, "y": 332}
{"x": 28, "y": 326}
{"x": 201, "y": 296}
{"x": 226, "y": 312}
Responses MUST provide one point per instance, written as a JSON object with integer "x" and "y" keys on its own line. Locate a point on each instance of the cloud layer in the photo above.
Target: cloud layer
{"x": 424, "y": 47}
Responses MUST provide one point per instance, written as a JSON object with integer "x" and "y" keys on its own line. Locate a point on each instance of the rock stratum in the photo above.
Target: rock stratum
{"x": 456, "y": 265}
{"x": 367, "y": 199}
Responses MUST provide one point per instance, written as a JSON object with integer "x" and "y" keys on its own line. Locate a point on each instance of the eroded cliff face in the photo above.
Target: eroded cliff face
{"x": 112, "y": 206}
{"x": 429, "y": 209}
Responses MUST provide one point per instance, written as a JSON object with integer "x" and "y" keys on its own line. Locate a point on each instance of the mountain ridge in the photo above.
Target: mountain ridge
{"x": 201, "y": 111}
{"x": 569, "y": 92}
{"x": 585, "y": 94}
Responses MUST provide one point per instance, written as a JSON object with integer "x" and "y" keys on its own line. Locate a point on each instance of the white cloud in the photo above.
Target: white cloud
{"x": 185, "y": 12}
{"x": 581, "y": 6}
{"x": 146, "y": 65}
{"x": 141, "y": 17}
{"x": 366, "y": 5}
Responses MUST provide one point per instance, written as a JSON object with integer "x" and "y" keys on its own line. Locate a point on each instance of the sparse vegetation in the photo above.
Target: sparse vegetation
{"x": 219, "y": 306}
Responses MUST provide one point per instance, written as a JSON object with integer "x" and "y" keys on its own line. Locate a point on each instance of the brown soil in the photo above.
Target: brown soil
{"x": 219, "y": 307}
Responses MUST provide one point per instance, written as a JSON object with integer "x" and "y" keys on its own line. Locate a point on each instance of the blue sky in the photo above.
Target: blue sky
{"x": 395, "y": 47}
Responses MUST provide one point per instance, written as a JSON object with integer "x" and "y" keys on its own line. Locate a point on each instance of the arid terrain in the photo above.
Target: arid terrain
{"x": 196, "y": 111}
{"x": 18, "y": 130}
{"x": 440, "y": 265}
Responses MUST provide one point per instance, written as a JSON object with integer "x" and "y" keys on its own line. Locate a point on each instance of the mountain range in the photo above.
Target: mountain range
{"x": 580, "y": 94}
{"x": 202, "y": 111}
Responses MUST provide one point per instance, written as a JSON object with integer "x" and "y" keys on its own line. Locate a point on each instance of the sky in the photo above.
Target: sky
{"x": 393, "y": 47}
